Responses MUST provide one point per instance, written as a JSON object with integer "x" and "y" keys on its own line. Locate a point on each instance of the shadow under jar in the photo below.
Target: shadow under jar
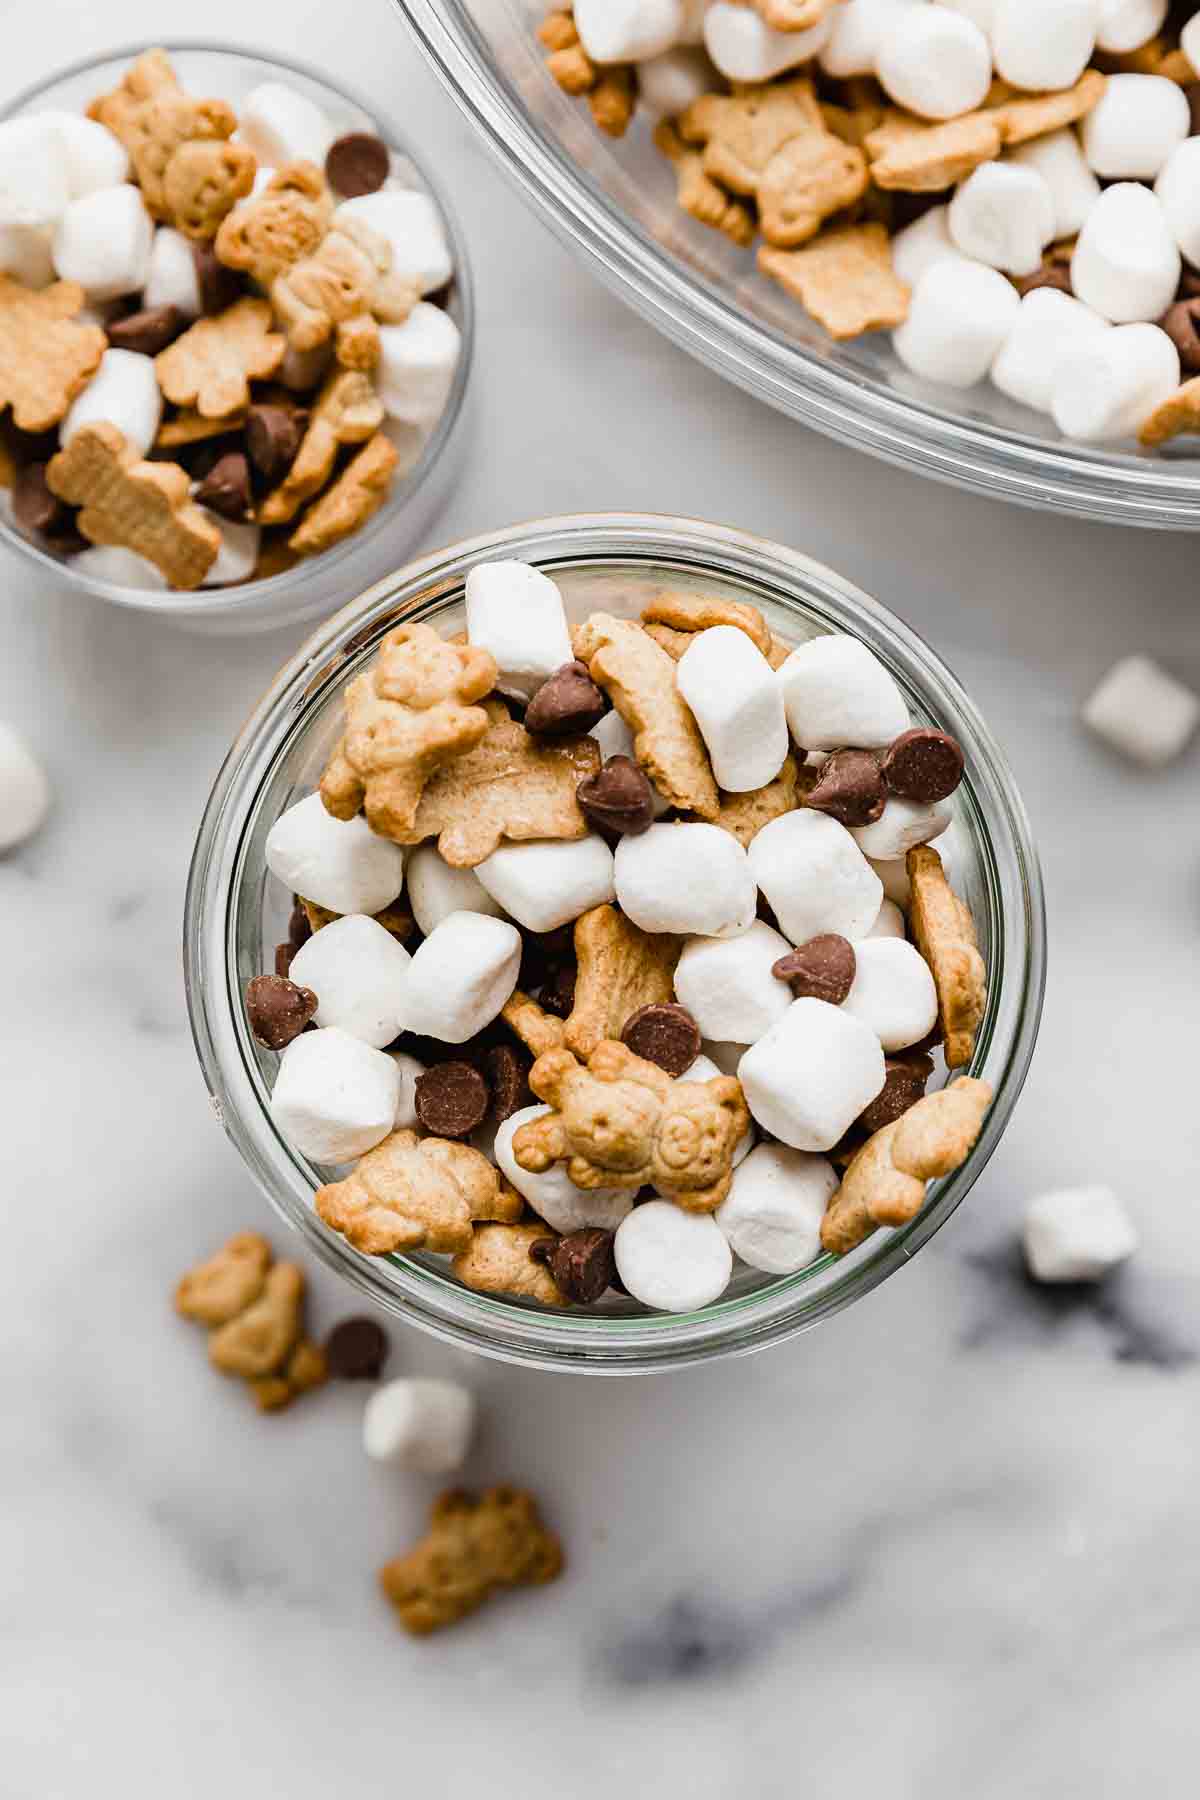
{"x": 237, "y": 911}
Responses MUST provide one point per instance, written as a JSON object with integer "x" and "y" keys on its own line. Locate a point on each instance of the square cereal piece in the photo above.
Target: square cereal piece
{"x": 845, "y": 279}
{"x": 1143, "y": 712}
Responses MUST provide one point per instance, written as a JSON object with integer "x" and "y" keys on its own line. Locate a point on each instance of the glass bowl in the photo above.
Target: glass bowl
{"x": 614, "y": 205}
{"x": 237, "y": 911}
{"x": 419, "y": 491}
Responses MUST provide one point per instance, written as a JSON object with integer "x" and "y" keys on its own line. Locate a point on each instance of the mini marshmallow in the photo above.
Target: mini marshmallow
{"x": 1126, "y": 263}
{"x": 517, "y": 613}
{"x": 1143, "y": 712}
{"x": 738, "y": 705}
{"x": 35, "y": 177}
{"x": 124, "y": 568}
{"x": 412, "y": 225}
{"x": 123, "y": 392}
{"x": 893, "y": 992}
{"x": 1048, "y": 325}
{"x": 544, "y": 885}
{"x": 728, "y": 987}
{"x": 900, "y": 827}
{"x": 423, "y": 1426}
{"x": 934, "y": 62}
{"x": 815, "y": 877}
{"x": 890, "y": 923}
{"x": 690, "y": 879}
{"x": 853, "y": 45}
{"x": 1060, "y": 162}
{"x": 552, "y": 1194}
{"x": 772, "y": 1216}
{"x": 1178, "y": 191}
{"x": 615, "y": 31}
{"x": 1106, "y": 388}
{"x": 615, "y": 739}
{"x": 893, "y": 873}
{"x": 922, "y": 244}
{"x": 672, "y": 1260}
{"x": 669, "y": 84}
{"x": 808, "y": 1079}
{"x": 745, "y": 48}
{"x": 417, "y": 361}
{"x": 461, "y": 976}
{"x": 959, "y": 316}
{"x": 1128, "y": 24}
{"x": 96, "y": 157}
{"x": 410, "y": 1072}
{"x": 334, "y": 1097}
{"x": 171, "y": 278}
{"x": 24, "y": 790}
{"x": 1003, "y": 215}
{"x": 25, "y": 253}
{"x": 1041, "y": 44}
{"x": 839, "y": 696}
{"x": 237, "y": 558}
{"x": 103, "y": 242}
{"x": 705, "y": 1069}
{"x": 980, "y": 12}
{"x": 1077, "y": 1234}
{"x": 435, "y": 889}
{"x": 337, "y": 863}
{"x": 282, "y": 126}
{"x": 1134, "y": 126}
{"x": 359, "y": 974}
{"x": 1189, "y": 41}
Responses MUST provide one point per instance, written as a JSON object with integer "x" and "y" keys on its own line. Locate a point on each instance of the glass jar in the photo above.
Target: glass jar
{"x": 237, "y": 911}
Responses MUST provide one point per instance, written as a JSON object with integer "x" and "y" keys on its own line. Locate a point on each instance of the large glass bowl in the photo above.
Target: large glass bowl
{"x": 614, "y": 204}
{"x": 237, "y": 912}
{"x": 428, "y": 470}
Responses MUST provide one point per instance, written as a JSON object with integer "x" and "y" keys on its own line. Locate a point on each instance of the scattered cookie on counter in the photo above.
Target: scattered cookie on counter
{"x": 253, "y": 1309}
{"x": 474, "y": 1549}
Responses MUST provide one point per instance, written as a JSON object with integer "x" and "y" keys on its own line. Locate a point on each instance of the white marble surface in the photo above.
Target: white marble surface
{"x": 946, "y": 1545}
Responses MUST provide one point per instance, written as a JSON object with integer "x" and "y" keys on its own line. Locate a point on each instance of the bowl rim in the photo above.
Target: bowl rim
{"x": 239, "y": 1091}
{"x": 1102, "y": 486}
{"x": 227, "y": 602}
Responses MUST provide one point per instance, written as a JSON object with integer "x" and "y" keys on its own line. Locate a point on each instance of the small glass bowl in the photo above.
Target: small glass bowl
{"x": 419, "y": 493}
{"x": 613, "y": 204}
{"x": 237, "y": 911}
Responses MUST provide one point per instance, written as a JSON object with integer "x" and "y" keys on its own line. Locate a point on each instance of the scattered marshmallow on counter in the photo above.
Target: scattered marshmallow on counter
{"x": 359, "y": 974}
{"x": 123, "y": 392}
{"x": 1143, "y": 712}
{"x": 815, "y": 877}
{"x": 1106, "y": 387}
{"x": 517, "y": 613}
{"x": 745, "y": 48}
{"x": 1003, "y": 215}
{"x": 1048, "y": 325}
{"x": 171, "y": 278}
{"x": 672, "y": 1260}
{"x": 422, "y": 1425}
{"x": 695, "y": 880}
{"x": 24, "y": 790}
{"x": 812, "y": 1074}
{"x": 727, "y": 984}
{"x": 1133, "y": 129}
{"x": 1043, "y": 44}
{"x": 544, "y": 885}
{"x": 959, "y": 316}
{"x": 893, "y": 992}
{"x": 772, "y": 1217}
{"x": 282, "y": 125}
{"x": 339, "y": 864}
{"x": 334, "y": 1097}
{"x": 900, "y": 827}
{"x": 35, "y": 184}
{"x": 1077, "y": 1234}
{"x": 934, "y": 62}
{"x": 1060, "y": 162}
{"x": 552, "y": 1194}
{"x": 1126, "y": 263}
{"x": 103, "y": 242}
{"x": 737, "y": 702}
{"x": 436, "y": 889}
{"x": 461, "y": 976}
{"x": 838, "y": 695}
{"x": 410, "y": 1072}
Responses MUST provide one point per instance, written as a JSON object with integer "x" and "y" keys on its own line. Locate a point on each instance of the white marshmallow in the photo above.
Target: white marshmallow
{"x": 980, "y": 12}
{"x": 853, "y": 45}
{"x": 890, "y": 923}
{"x": 1077, "y": 1234}
{"x": 738, "y": 705}
{"x": 1047, "y": 326}
{"x": 435, "y": 889}
{"x": 893, "y": 873}
{"x": 669, "y": 84}
{"x": 893, "y": 992}
{"x": 359, "y": 974}
{"x": 96, "y": 157}
{"x": 1106, "y": 388}
{"x": 410, "y": 1072}
{"x": 423, "y": 1426}
{"x": 1003, "y": 215}
{"x": 705, "y": 1069}
{"x": 35, "y": 178}
{"x": 1143, "y": 712}
{"x": 728, "y": 987}
{"x": 614, "y": 31}
{"x": 615, "y": 739}
{"x": 808, "y": 1079}
{"x": 123, "y": 392}
{"x": 922, "y": 244}
{"x": 517, "y": 613}
{"x": 1178, "y": 191}
{"x": 544, "y": 885}
{"x": 839, "y": 696}
{"x": 1136, "y": 124}
{"x": 900, "y": 827}
{"x": 772, "y": 1216}
{"x": 336, "y": 863}
{"x": 25, "y": 253}
{"x": 552, "y": 1194}
{"x": 815, "y": 877}
{"x": 413, "y": 227}
{"x": 334, "y": 1097}
{"x": 672, "y": 1260}
{"x": 690, "y": 879}
{"x": 745, "y": 48}
{"x": 1126, "y": 264}
{"x": 1128, "y": 24}
{"x": 237, "y": 557}
{"x": 103, "y": 242}
{"x": 1041, "y": 44}
{"x": 24, "y": 790}
{"x": 124, "y": 568}
{"x": 461, "y": 976}
{"x": 1189, "y": 41}
{"x": 934, "y": 62}
{"x": 1060, "y": 162}
{"x": 282, "y": 126}
{"x": 417, "y": 361}
{"x": 959, "y": 315}
{"x": 171, "y": 278}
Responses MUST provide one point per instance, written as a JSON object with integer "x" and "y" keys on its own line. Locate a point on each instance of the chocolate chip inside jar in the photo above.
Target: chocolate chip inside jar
{"x": 357, "y": 163}
{"x": 226, "y": 487}
{"x": 666, "y": 1035}
{"x": 147, "y": 331}
{"x": 850, "y": 788}
{"x": 273, "y": 436}
{"x": 277, "y": 1009}
{"x": 923, "y": 765}
{"x": 822, "y": 969}
{"x": 618, "y": 798}
{"x": 35, "y": 508}
{"x": 567, "y": 705}
{"x": 451, "y": 1100}
{"x": 583, "y": 1263}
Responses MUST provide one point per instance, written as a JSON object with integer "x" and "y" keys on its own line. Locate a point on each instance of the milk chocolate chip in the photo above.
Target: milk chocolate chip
{"x": 356, "y": 1350}
{"x": 849, "y": 788}
{"x": 903, "y": 1085}
{"x": 566, "y": 705}
{"x": 507, "y": 1070}
{"x": 617, "y": 798}
{"x": 277, "y": 1009}
{"x": 219, "y": 286}
{"x": 148, "y": 331}
{"x": 35, "y": 508}
{"x": 582, "y": 1263}
{"x": 923, "y": 765}
{"x": 273, "y": 435}
{"x": 451, "y": 1099}
{"x": 358, "y": 163}
{"x": 822, "y": 969}
{"x": 226, "y": 487}
{"x": 1181, "y": 322}
{"x": 667, "y": 1035}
